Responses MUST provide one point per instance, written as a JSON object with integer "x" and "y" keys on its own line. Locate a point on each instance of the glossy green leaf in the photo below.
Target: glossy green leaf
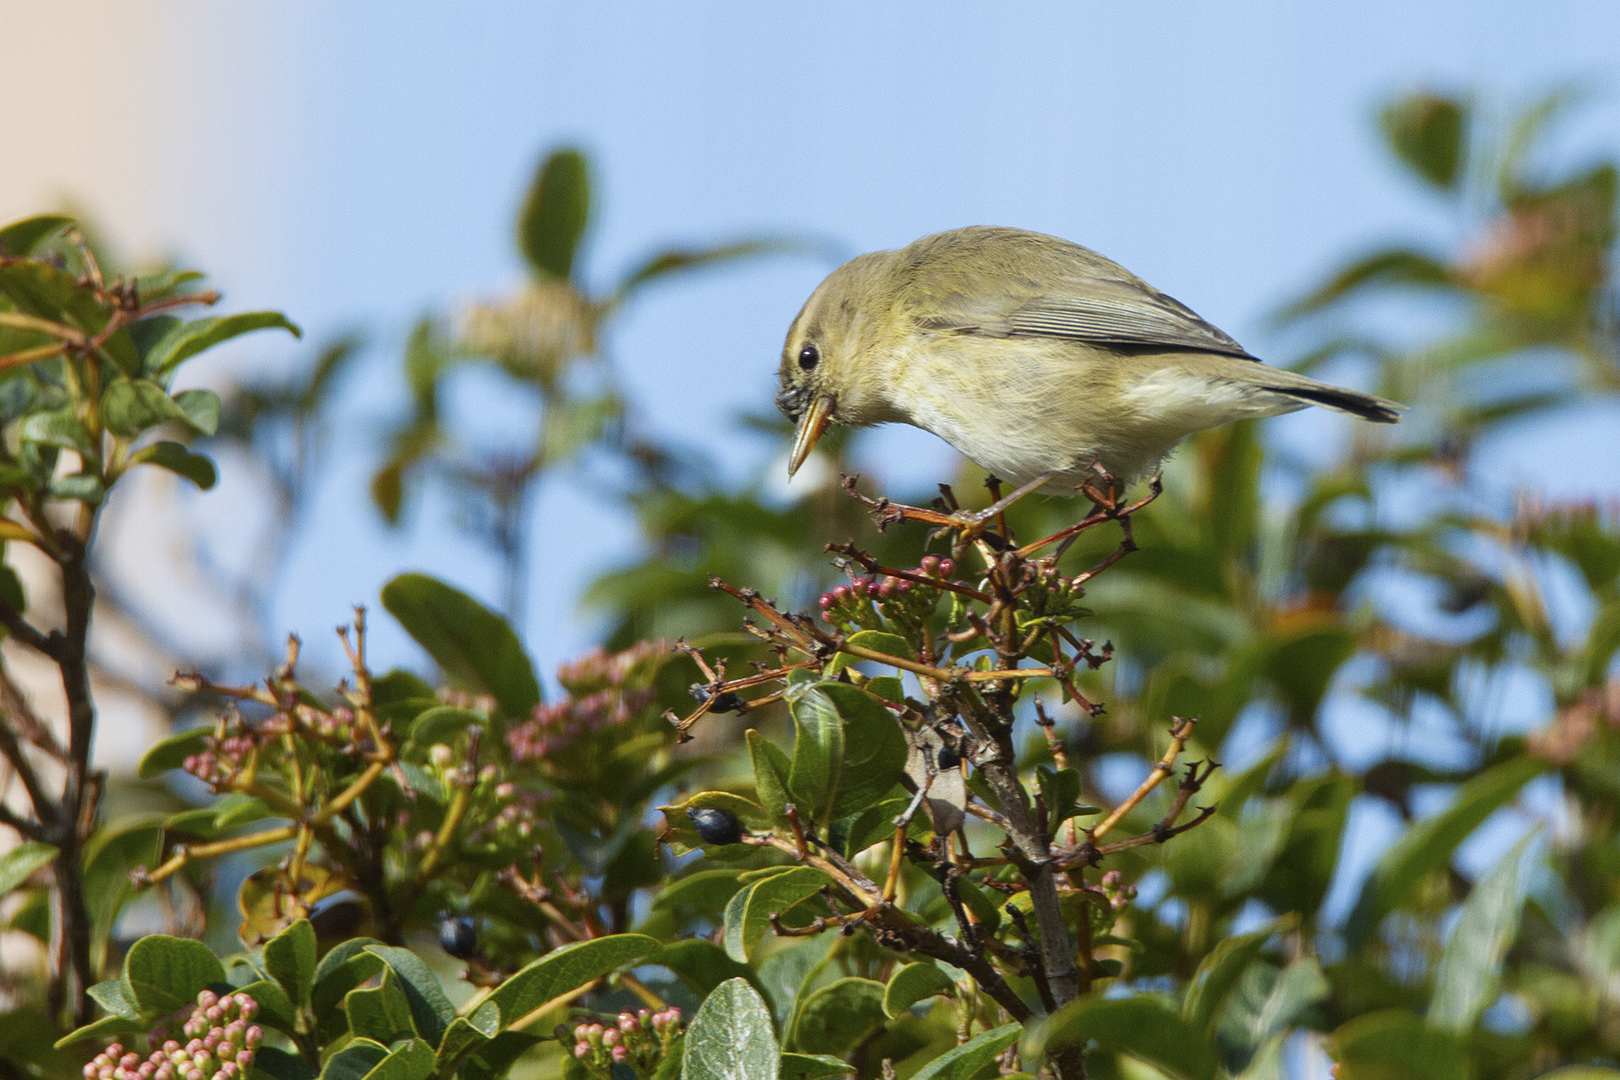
{"x": 162, "y": 973}
{"x": 914, "y": 983}
{"x": 555, "y": 213}
{"x": 748, "y": 915}
{"x": 107, "y": 1027}
{"x": 557, "y": 973}
{"x": 381, "y": 1012}
{"x": 848, "y": 751}
{"x": 278, "y": 1064}
{"x": 411, "y": 1059}
{"x": 275, "y": 1010}
{"x": 290, "y": 958}
{"x": 731, "y": 1037}
{"x": 355, "y": 1061}
{"x": 345, "y": 966}
{"x": 839, "y": 1016}
{"x": 1142, "y": 1025}
{"x": 198, "y": 468}
{"x": 813, "y": 1067}
{"x": 461, "y": 1038}
{"x": 185, "y": 340}
{"x": 752, "y": 815}
{"x": 1428, "y": 845}
{"x": 1395, "y": 1045}
{"x": 19, "y": 864}
{"x": 431, "y": 1011}
{"x": 818, "y": 752}
{"x": 771, "y": 771}
{"x": 965, "y": 1062}
{"x": 1470, "y": 972}
{"x": 475, "y": 647}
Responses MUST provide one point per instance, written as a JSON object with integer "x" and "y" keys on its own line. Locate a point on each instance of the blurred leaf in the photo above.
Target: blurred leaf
{"x": 876, "y": 640}
{"x": 475, "y": 647}
{"x": 21, "y": 237}
{"x": 1427, "y": 132}
{"x": 1217, "y": 974}
{"x": 914, "y": 983}
{"x": 59, "y": 427}
{"x": 1394, "y": 1045}
{"x": 730, "y": 1038}
{"x": 1470, "y": 971}
{"x": 703, "y": 965}
{"x": 1143, "y": 1026}
{"x": 19, "y": 864}
{"x": 1394, "y": 267}
{"x": 197, "y": 468}
{"x": 1428, "y": 845}
{"x": 839, "y": 1016}
{"x": 200, "y": 409}
{"x": 677, "y": 259}
{"x": 966, "y": 1061}
{"x": 813, "y": 1067}
{"x": 555, "y": 213}
{"x": 162, "y": 973}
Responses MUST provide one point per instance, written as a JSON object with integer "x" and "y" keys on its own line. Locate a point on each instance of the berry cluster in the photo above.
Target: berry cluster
{"x": 605, "y": 695}
{"x": 221, "y": 759}
{"x": 638, "y": 1040}
{"x": 223, "y": 1040}
{"x": 1119, "y": 893}
{"x": 866, "y": 601}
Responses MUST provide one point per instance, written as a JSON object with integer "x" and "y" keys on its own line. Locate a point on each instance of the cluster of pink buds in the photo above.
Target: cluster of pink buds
{"x": 1119, "y": 894}
{"x": 221, "y": 759}
{"x": 337, "y": 724}
{"x": 223, "y": 1040}
{"x": 639, "y": 1040}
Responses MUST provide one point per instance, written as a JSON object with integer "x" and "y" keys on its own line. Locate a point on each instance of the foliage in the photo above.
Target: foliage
{"x": 933, "y": 828}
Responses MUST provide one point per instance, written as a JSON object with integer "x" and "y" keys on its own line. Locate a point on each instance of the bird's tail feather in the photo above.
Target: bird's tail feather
{"x": 1376, "y": 409}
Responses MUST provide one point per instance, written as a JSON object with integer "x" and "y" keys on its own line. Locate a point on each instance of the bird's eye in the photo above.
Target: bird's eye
{"x": 809, "y": 357}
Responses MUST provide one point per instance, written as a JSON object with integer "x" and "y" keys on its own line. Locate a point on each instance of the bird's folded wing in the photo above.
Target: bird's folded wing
{"x": 1100, "y": 310}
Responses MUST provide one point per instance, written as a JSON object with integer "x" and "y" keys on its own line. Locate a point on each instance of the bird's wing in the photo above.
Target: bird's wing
{"x": 1102, "y": 309}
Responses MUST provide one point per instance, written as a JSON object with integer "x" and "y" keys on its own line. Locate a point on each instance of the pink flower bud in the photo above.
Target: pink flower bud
{"x": 946, "y": 567}
{"x": 839, "y": 592}
{"x": 91, "y": 1071}
{"x": 611, "y": 1037}
{"x": 582, "y": 1032}
{"x": 244, "y": 1058}
{"x": 929, "y": 565}
{"x": 582, "y": 1049}
{"x": 628, "y": 1023}
{"x": 129, "y": 1060}
{"x": 620, "y": 1053}
{"x": 826, "y": 601}
{"x": 207, "y": 999}
{"x": 253, "y": 1037}
{"x": 225, "y": 1050}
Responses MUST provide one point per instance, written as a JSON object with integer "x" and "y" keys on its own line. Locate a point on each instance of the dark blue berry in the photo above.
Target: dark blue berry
{"x": 715, "y": 826}
{"x": 458, "y": 936}
{"x": 947, "y": 758}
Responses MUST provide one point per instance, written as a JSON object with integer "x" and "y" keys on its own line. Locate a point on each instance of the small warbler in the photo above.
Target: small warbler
{"x": 1033, "y": 356}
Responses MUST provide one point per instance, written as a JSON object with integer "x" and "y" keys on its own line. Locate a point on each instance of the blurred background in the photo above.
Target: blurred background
{"x": 1415, "y": 199}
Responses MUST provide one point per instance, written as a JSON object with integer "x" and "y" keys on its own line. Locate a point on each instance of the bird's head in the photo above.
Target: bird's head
{"x": 831, "y": 361}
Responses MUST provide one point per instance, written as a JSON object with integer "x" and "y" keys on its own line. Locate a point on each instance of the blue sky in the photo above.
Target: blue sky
{"x": 358, "y": 164}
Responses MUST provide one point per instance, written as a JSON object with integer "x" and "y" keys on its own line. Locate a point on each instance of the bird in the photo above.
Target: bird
{"x": 1039, "y": 359}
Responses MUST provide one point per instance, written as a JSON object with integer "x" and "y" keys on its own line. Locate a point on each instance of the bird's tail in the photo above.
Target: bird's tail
{"x": 1354, "y": 402}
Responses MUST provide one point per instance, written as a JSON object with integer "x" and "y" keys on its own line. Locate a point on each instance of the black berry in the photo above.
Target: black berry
{"x": 457, "y": 935}
{"x": 947, "y": 758}
{"x": 715, "y": 826}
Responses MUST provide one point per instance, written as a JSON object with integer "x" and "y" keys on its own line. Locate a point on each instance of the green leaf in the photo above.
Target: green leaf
{"x": 703, "y": 965}
{"x": 443, "y": 723}
{"x": 290, "y": 959}
{"x": 706, "y": 890}
{"x": 171, "y": 752}
{"x": 431, "y": 1011}
{"x": 1217, "y": 975}
{"x": 912, "y": 984}
{"x": 839, "y": 1016}
{"x": 355, "y": 1061}
{"x": 748, "y": 915}
{"x": 185, "y": 340}
{"x": 555, "y": 213}
{"x": 198, "y": 468}
{"x": 1428, "y": 845}
{"x": 1060, "y": 790}
{"x": 676, "y": 260}
{"x": 1426, "y": 132}
{"x": 105, "y": 1028}
{"x": 730, "y": 1038}
{"x": 1143, "y": 1026}
{"x": 771, "y": 771}
{"x": 876, "y": 640}
{"x": 110, "y": 996}
{"x": 200, "y": 409}
{"x": 412, "y": 1059}
{"x": 461, "y": 1038}
{"x": 162, "y": 973}
{"x": 382, "y": 1012}
{"x": 967, "y": 1060}
{"x": 130, "y": 406}
{"x": 345, "y": 966}
{"x": 813, "y": 1067}
{"x": 556, "y": 973}
{"x": 277, "y": 1064}
{"x": 19, "y": 864}
{"x": 1394, "y": 1045}
{"x": 275, "y": 1010}
{"x": 81, "y": 487}
{"x": 59, "y": 427}
{"x": 1382, "y": 269}
{"x": 21, "y": 237}
{"x": 1470, "y": 972}
{"x": 751, "y": 814}
{"x": 848, "y": 751}
{"x": 475, "y": 647}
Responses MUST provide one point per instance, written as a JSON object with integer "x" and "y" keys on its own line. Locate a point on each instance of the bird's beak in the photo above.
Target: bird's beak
{"x": 811, "y": 425}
